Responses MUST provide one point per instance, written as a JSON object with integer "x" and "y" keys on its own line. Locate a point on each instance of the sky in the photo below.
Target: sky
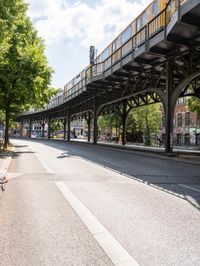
{"x": 69, "y": 27}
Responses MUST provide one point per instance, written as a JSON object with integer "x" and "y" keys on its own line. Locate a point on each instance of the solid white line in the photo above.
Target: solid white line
{"x": 192, "y": 188}
{"x": 43, "y": 163}
{"x": 117, "y": 254}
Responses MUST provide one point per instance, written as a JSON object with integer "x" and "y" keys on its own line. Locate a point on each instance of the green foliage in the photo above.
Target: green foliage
{"x": 194, "y": 105}
{"x": 24, "y": 72}
{"x": 108, "y": 121}
{"x": 56, "y": 126}
{"x": 150, "y": 115}
{"x": 145, "y": 119}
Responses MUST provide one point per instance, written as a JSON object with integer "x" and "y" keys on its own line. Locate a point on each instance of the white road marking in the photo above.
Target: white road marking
{"x": 44, "y": 164}
{"x": 117, "y": 254}
{"x": 192, "y": 188}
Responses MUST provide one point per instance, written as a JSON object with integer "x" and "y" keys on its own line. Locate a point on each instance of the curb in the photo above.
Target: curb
{"x": 4, "y": 167}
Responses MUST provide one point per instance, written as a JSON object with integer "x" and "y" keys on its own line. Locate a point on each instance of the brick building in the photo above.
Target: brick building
{"x": 186, "y": 130}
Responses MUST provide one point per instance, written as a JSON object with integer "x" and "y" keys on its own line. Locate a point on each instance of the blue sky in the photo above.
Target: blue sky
{"x": 69, "y": 27}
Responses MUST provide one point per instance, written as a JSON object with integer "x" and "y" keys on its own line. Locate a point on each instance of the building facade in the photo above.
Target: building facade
{"x": 186, "y": 125}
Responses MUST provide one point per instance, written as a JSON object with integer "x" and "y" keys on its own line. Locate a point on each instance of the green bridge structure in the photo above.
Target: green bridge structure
{"x": 158, "y": 66}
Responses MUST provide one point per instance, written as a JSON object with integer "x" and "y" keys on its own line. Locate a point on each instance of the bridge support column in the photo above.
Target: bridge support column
{"x": 89, "y": 126}
{"x": 43, "y": 124}
{"x": 95, "y": 125}
{"x": 169, "y": 109}
{"x": 68, "y": 127}
{"x": 49, "y": 127}
{"x": 30, "y": 127}
{"x": 64, "y": 126}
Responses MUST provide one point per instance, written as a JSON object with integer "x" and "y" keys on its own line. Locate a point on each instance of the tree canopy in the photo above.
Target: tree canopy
{"x": 145, "y": 119}
{"x": 194, "y": 105}
{"x": 24, "y": 72}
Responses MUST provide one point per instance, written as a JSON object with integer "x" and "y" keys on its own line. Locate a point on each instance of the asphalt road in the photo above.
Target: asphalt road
{"x": 78, "y": 204}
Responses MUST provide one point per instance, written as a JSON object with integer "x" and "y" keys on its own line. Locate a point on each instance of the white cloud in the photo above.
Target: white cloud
{"x": 57, "y": 20}
{"x": 40, "y": 8}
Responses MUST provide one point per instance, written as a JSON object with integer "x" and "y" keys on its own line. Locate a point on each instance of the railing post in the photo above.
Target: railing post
{"x": 165, "y": 23}
{"x": 147, "y": 38}
{"x": 121, "y": 57}
{"x": 132, "y": 42}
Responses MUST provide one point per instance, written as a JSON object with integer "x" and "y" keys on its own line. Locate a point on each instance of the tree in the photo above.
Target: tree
{"x": 111, "y": 121}
{"x": 194, "y": 105}
{"x": 56, "y": 126}
{"x": 24, "y": 72}
{"x": 146, "y": 119}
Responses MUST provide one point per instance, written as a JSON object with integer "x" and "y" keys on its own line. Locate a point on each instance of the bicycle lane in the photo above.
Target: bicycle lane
{"x": 156, "y": 226}
{"x": 37, "y": 225}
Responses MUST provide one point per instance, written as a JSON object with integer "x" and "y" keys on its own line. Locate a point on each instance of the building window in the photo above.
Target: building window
{"x": 179, "y": 120}
{"x": 187, "y": 139}
{"x": 179, "y": 101}
{"x": 187, "y": 119}
{"x": 155, "y": 8}
{"x": 198, "y": 139}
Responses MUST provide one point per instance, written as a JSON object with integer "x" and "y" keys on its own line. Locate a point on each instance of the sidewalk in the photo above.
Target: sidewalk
{"x": 178, "y": 154}
{"x": 5, "y": 159}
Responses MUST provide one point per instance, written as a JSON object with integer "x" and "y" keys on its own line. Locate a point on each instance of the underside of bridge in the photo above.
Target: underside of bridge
{"x": 163, "y": 68}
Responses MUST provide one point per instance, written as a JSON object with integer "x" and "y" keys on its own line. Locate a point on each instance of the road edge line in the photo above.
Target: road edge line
{"x": 191, "y": 188}
{"x": 117, "y": 254}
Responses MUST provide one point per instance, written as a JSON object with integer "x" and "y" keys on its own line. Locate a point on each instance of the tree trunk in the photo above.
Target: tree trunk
{"x": 148, "y": 139}
{"x": 6, "y": 137}
{"x": 116, "y": 131}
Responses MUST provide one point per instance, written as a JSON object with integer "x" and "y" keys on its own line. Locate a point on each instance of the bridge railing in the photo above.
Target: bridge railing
{"x": 75, "y": 90}
{"x": 153, "y": 27}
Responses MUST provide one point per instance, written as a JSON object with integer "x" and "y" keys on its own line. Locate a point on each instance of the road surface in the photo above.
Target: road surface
{"x": 78, "y": 204}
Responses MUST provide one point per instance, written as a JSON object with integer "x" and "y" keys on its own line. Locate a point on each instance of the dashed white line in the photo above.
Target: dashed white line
{"x": 192, "y": 188}
{"x": 117, "y": 254}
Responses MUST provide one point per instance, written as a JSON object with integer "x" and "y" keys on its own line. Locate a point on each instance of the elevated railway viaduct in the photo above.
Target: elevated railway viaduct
{"x": 161, "y": 67}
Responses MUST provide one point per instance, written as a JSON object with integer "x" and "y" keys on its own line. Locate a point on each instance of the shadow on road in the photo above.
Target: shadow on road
{"x": 160, "y": 173}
